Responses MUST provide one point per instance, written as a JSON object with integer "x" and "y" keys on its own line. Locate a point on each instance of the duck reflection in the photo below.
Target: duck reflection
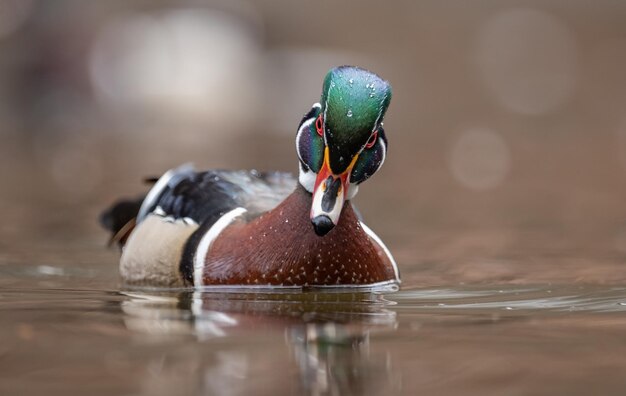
{"x": 327, "y": 335}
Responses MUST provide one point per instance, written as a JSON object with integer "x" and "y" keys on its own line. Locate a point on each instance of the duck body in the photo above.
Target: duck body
{"x": 204, "y": 229}
{"x": 251, "y": 229}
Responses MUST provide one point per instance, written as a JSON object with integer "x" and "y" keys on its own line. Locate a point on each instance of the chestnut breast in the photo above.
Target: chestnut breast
{"x": 281, "y": 248}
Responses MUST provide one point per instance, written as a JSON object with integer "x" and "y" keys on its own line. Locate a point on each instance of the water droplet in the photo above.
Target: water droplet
{"x": 509, "y": 308}
{"x": 622, "y": 303}
{"x": 349, "y": 114}
{"x": 372, "y": 95}
{"x": 286, "y": 220}
{"x": 332, "y": 84}
{"x": 351, "y": 81}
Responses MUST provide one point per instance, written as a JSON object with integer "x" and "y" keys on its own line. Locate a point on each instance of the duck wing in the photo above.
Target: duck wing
{"x": 204, "y": 197}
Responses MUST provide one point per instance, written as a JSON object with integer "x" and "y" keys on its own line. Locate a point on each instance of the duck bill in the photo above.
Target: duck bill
{"x": 329, "y": 195}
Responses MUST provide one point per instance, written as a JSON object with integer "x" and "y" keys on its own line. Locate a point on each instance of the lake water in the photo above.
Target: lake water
{"x": 71, "y": 329}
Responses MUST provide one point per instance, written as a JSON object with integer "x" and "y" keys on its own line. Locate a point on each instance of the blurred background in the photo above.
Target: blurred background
{"x": 507, "y": 129}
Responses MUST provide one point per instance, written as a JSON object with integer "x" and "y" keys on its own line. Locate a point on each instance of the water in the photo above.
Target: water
{"x": 73, "y": 329}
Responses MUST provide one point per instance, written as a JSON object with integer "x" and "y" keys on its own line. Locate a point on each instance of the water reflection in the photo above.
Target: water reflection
{"x": 327, "y": 336}
{"x": 470, "y": 340}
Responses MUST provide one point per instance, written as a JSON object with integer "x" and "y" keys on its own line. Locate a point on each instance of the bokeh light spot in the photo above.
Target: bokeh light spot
{"x": 187, "y": 60}
{"x": 479, "y": 159}
{"x": 528, "y": 60}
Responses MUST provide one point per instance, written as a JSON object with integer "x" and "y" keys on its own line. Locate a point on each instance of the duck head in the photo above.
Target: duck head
{"x": 341, "y": 141}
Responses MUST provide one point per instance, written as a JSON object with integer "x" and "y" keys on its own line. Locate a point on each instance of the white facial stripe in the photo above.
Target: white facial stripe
{"x": 325, "y": 111}
{"x": 306, "y": 124}
{"x": 380, "y": 113}
{"x": 382, "y": 141}
{"x": 316, "y": 207}
{"x": 307, "y": 179}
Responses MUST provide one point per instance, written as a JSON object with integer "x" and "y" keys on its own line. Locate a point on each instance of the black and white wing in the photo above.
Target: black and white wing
{"x": 204, "y": 197}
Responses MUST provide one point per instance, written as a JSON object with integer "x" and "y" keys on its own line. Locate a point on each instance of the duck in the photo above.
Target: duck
{"x": 245, "y": 228}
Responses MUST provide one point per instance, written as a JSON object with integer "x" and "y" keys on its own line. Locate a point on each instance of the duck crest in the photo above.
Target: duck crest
{"x": 280, "y": 248}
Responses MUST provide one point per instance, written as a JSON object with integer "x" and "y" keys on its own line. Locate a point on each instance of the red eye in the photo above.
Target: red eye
{"x": 372, "y": 140}
{"x": 319, "y": 125}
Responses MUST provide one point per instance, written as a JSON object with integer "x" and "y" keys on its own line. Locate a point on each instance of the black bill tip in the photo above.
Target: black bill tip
{"x": 322, "y": 224}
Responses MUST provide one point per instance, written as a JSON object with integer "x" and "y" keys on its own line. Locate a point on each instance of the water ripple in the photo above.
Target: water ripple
{"x": 537, "y": 298}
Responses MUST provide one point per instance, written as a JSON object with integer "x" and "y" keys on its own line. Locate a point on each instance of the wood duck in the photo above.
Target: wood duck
{"x": 246, "y": 228}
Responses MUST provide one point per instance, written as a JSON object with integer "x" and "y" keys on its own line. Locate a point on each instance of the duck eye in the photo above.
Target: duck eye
{"x": 319, "y": 125}
{"x": 372, "y": 140}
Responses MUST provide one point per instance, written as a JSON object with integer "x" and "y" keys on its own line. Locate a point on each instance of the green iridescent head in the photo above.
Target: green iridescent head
{"x": 341, "y": 141}
{"x": 354, "y": 102}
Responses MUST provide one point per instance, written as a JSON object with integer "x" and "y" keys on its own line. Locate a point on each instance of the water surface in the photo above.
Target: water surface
{"x": 104, "y": 339}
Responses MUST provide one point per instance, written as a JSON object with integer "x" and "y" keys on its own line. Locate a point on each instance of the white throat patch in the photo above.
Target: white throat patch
{"x": 307, "y": 179}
